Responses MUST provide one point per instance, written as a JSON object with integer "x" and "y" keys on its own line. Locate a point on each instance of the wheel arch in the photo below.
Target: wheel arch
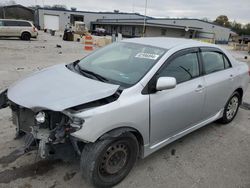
{"x": 240, "y": 91}
{"x": 23, "y": 32}
{"x": 119, "y": 131}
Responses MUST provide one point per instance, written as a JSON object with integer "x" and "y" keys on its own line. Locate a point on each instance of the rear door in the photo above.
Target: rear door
{"x": 219, "y": 78}
{"x": 12, "y": 28}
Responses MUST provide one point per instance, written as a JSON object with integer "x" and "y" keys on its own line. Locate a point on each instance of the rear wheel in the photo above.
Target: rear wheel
{"x": 106, "y": 163}
{"x": 25, "y": 36}
{"x": 231, "y": 108}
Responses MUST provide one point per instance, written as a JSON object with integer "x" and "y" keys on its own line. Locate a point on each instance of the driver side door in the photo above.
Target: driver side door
{"x": 175, "y": 110}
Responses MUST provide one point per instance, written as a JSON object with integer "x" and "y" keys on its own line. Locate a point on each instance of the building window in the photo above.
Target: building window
{"x": 163, "y": 31}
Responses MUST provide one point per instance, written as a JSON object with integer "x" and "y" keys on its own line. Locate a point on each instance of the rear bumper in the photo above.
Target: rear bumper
{"x": 34, "y": 35}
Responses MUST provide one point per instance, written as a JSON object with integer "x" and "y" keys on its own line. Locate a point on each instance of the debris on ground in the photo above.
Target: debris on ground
{"x": 53, "y": 185}
{"x": 68, "y": 176}
{"x": 39, "y": 46}
{"x": 19, "y": 68}
{"x": 26, "y": 185}
{"x": 30, "y": 170}
{"x": 173, "y": 152}
{"x": 5, "y": 160}
{"x": 58, "y": 46}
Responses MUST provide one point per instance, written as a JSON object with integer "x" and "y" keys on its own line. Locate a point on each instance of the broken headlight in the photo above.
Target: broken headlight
{"x": 40, "y": 117}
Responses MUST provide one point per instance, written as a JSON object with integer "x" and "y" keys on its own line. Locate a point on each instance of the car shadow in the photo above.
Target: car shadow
{"x": 15, "y": 39}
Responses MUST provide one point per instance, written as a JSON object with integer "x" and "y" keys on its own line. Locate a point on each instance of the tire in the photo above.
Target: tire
{"x": 25, "y": 36}
{"x": 231, "y": 108}
{"x": 107, "y": 162}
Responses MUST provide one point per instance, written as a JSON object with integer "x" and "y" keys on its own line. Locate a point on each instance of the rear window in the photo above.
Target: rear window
{"x": 25, "y": 24}
{"x": 213, "y": 62}
{"x": 17, "y": 23}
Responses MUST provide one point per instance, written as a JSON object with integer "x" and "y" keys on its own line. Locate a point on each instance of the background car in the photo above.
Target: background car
{"x": 99, "y": 32}
{"x": 17, "y": 28}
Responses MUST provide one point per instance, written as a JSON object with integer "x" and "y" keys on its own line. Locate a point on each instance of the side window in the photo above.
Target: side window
{"x": 213, "y": 61}
{"x": 1, "y": 23}
{"x": 11, "y": 23}
{"x": 24, "y": 24}
{"x": 183, "y": 68}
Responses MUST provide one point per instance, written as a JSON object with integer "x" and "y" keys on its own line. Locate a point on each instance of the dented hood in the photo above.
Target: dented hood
{"x": 58, "y": 88}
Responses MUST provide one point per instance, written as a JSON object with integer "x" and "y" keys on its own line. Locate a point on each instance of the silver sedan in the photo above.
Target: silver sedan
{"x": 127, "y": 100}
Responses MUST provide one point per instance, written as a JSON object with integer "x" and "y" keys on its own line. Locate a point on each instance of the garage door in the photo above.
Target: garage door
{"x": 51, "y": 22}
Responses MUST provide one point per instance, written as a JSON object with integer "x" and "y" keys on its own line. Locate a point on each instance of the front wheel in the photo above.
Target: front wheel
{"x": 107, "y": 162}
{"x": 231, "y": 108}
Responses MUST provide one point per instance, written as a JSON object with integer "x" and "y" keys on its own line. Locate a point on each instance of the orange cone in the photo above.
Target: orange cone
{"x": 88, "y": 43}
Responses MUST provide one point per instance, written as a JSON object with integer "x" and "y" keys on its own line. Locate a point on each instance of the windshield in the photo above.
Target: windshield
{"x": 122, "y": 63}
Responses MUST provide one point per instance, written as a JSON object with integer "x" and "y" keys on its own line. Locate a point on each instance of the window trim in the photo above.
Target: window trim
{"x": 151, "y": 85}
{"x": 216, "y": 50}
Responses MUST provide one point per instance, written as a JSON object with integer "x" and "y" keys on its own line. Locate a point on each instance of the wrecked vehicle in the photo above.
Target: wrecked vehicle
{"x": 127, "y": 100}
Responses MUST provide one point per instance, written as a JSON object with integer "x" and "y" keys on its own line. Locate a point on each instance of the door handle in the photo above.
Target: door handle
{"x": 199, "y": 88}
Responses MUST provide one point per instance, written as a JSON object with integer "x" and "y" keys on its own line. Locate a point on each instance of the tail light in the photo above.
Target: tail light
{"x": 34, "y": 29}
{"x": 249, "y": 72}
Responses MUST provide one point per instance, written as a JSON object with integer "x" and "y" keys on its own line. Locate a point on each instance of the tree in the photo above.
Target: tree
{"x": 34, "y": 7}
{"x": 223, "y": 21}
{"x": 237, "y": 27}
{"x": 246, "y": 29}
{"x": 205, "y": 19}
{"x": 59, "y": 7}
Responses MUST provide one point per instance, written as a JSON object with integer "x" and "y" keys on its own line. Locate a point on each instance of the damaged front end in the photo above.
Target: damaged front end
{"x": 48, "y": 128}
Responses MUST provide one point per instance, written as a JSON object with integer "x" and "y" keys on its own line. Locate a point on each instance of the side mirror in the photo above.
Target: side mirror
{"x": 164, "y": 83}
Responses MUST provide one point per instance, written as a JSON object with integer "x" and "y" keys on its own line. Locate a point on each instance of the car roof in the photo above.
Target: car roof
{"x": 168, "y": 42}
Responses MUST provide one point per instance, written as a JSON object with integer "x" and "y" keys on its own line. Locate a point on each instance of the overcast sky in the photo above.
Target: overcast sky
{"x": 238, "y": 10}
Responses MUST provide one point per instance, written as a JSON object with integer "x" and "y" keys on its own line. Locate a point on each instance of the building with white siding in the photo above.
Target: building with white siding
{"x": 132, "y": 24}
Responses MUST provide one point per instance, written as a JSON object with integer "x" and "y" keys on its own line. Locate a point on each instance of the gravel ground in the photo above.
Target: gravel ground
{"x": 214, "y": 156}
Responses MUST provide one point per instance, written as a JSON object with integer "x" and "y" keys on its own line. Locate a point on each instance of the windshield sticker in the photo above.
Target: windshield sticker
{"x": 147, "y": 56}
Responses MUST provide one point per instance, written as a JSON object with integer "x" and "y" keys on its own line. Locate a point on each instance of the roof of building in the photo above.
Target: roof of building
{"x": 141, "y": 22}
{"x": 167, "y": 42}
{"x": 77, "y": 11}
{"x": 152, "y": 20}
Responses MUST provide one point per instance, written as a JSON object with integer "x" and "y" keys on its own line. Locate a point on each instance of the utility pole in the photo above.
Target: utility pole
{"x": 145, "y": 15}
